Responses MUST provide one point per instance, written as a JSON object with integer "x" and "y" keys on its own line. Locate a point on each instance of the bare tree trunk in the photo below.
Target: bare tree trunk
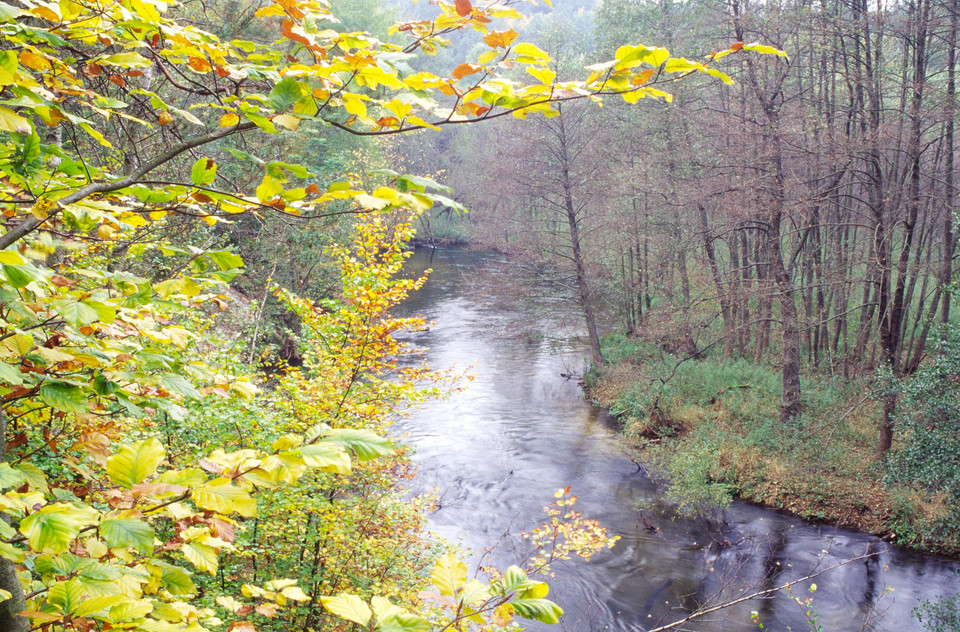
{"x": 583, "y": 286}
{"x": 718, "y": 281}
{"x": 946, "y": 269}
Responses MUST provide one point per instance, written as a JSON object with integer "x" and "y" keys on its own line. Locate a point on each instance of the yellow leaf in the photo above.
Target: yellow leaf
{"x": 10, "y": 121}
{"x": 526, "y": 49}
{"x": 222, "y": 496}
{"x": 294, "y": 593}
{"x": 449, "y": 575}
{"x": 202, "y": 556}
{"x": 349, "y": 607}
{"x": 287, "y": 121}
{"x": 11, "y": 257}
{"x": 544, "y": 75}
{"x": 229, "y": 120}
{"x": 490, "y": 55}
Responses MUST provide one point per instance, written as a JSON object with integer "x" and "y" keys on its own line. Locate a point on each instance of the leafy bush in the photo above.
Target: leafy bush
{"x": 926, "y": 463}
{"x": 941, "y": 615}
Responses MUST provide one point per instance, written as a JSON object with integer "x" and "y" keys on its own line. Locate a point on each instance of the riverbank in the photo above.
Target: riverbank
{"x": 709, "y": 430}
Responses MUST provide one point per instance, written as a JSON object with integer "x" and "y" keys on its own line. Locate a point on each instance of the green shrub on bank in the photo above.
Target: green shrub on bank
{"x": 925, "y": 467}
{"x": 710, "y": 430}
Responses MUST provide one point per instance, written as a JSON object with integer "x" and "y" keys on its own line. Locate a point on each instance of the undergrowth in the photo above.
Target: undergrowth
{"x": 710, "y": 429}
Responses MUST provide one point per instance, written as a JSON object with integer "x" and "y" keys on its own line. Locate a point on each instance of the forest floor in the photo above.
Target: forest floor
{"x": 710, "y": 430}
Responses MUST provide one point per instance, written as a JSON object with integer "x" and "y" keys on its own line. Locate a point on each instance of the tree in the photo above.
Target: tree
{"x": 111, "y": 118}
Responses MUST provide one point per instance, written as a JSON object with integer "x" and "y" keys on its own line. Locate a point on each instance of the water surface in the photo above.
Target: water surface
{"x": 498, "y": 450}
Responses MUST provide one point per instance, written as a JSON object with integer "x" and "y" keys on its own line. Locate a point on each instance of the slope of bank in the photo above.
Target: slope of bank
{"x": 710, "y": 429}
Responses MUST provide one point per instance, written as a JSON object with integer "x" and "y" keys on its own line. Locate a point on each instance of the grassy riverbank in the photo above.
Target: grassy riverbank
{"x": 710, "y": 429}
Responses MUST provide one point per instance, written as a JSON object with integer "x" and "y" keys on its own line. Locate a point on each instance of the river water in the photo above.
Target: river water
{"x": 496, "y": 451}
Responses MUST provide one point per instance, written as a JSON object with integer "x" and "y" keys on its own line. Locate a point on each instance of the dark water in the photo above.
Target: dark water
{"x": 496, "y": 452}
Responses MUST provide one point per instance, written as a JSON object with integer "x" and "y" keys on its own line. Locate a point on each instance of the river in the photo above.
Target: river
{"x": 497, "y": 450}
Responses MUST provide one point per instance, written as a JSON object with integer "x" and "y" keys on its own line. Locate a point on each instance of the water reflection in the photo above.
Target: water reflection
{"x": 498, "y": 450}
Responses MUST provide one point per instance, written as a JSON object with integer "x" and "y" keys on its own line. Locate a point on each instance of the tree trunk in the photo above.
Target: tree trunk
{"x": 583, "y": 286}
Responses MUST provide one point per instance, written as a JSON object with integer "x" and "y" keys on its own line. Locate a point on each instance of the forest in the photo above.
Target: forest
{"x": 800, "y": 220}
{"x": 210, "y": 219}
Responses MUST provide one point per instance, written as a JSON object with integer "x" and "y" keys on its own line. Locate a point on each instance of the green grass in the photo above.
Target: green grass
{"x": 711, "y": 430}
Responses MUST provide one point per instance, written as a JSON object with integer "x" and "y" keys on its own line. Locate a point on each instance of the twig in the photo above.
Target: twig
{"x": 759, "y": 593}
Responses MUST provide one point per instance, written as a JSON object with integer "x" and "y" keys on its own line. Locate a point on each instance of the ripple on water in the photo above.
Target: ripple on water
{"x": 498, "y": 450}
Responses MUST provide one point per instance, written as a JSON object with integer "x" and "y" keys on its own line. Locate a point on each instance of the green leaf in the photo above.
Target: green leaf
{"x": 275, "y": 169}
{"x": 64, "y": 397}
{"x": 67, "y": 596}
{"x": 76, "y": 313}
{"x": 134, "y": 463}
{"x": 225, "y": 260}
{"x": 129, "y": 59}
{"x": 54, "y": 527}
{"x": 8, "y": 13}
{"x": 204, "y": 171}
{"x": 19, "y": 276}
{"x": 284, "y": 94}
{"x": 449, "y": 574}
{"x": 364, "y": 443}
{"x": 538, "y": 590}
{"x": 176, "y": 580}
{"x": 326, "y": 456}
{"x": 124, "y": 532}
{"x": 262, "y": 122}
{"x": 179, "y": 385}
{"x": 34, "y": 476}
{"x": 10, "y": 375}
{"x": 10, "y": 477}
{"x": 349, "y": 607}
{"x": 542, "y": 610}
{"x": 515, "y": 580}
{"x": 222, "y": 496}
{"x": 403, "y": 622}
{"x": 130, "y": 609}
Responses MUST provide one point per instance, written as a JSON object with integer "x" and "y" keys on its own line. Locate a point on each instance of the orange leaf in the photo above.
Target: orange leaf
{"x": 286, "y": 29}
{"x": 737, "y": 46}
{"x": 449, "y": 90}
{"x": 463, "y": 7}
{"x": 500, "y": 39}
{"x": 643, "y": 77}
{"x": 200, "y": 64}
{"x": 46, "y": 13}
{"x": 34, "y": 61}
{"x": 165, "y": 118}
{"x": 92, "y": 70}
{"x": 388, "y": 121}
{"x": 464, "y": 70}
